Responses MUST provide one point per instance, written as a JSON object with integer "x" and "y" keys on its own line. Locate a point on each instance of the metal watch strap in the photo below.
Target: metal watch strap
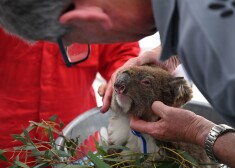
{"x": 214, "y": 133}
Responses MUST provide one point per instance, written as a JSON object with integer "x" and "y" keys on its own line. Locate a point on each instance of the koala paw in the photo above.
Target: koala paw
{"x": 118, "y": 130}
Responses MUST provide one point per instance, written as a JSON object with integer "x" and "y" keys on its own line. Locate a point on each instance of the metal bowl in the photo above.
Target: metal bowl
{"x": 93, "y": 120}
{"x": 85, "y": 125}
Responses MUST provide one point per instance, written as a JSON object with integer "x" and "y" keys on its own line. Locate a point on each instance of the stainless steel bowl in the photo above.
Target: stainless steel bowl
{"x": 89, "y": 123}
{"x": 93, "y": 120}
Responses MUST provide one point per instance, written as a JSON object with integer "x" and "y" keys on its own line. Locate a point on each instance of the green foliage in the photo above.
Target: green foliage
{"x": 187, "y": 157}
{"x": 2, "y": 157}
{"x": 97, "y": 161}
{"x": 47, "y": 153}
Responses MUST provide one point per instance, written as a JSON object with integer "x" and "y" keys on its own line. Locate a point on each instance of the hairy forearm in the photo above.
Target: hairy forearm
{"x": 224, "y": 149}
{"x": 178, "y": 124}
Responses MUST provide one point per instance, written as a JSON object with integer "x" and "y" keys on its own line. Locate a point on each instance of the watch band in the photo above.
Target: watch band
{"x": 214, "y": 133}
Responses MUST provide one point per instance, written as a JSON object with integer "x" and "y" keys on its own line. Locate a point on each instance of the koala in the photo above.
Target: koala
{"x": 135, "y": 90}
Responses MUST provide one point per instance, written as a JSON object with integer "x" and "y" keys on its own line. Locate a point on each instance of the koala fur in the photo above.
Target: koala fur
{"x": 135, "y": 90}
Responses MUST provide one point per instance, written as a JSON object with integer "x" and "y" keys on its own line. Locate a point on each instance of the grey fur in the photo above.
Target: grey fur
{"x": 33, "y": 19}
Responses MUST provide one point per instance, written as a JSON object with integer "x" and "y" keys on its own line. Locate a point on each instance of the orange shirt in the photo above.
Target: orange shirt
{"x": 35, "y": 84}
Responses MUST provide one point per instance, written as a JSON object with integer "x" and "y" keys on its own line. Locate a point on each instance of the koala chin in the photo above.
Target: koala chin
{"x": 124, "y": 102}
{"x": 135, "y": 90}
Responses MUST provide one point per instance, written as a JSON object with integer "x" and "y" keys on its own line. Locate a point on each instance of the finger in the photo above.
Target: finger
{"x": 108, "y": 93}
{"x": 158, "y": 51}
{"x": 107, "y": 99}
{"x": 109, "y": 89}
{"x": 159, "y": 108}
{"x": 148, "y": 57}
{"x": 101, "y": 90}
{"x": 172, "y": 63}
{"x": 141, "y": 126}
{"x": 131, "y": 62}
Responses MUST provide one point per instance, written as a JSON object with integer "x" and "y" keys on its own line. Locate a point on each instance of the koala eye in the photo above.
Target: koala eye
{"x": 126, "y": 72}
{"x": 146, "y": 82}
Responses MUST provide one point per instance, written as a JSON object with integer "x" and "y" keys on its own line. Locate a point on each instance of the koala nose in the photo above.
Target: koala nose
{"x": 120, "y": 85}
{"x": 119, "y": 88}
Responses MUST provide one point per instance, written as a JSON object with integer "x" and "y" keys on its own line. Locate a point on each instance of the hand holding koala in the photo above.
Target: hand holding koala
{"x": 147, "y": 57}
{"x": 184, "y": 120}
{"x": 188, "y": 127}
{"x": 135, "y": 90}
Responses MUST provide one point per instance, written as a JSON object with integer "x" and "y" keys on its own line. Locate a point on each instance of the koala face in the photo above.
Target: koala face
{"x": 136, "y": 88}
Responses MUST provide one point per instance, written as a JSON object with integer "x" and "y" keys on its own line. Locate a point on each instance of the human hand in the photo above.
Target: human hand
{"x": 175, "y": 124}
{"x": 106, "y": 90}
{"x": 147, "y": 57}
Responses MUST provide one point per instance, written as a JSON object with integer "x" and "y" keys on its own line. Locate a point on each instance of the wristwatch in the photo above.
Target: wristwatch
{"x": 214, "y": 133}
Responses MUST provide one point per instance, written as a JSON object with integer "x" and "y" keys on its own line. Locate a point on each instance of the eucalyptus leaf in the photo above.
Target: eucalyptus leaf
{"x": 51, "y": 137}
{"x": 68, "y": 143}
{"x": 36, "y": 153}
{"x": 188, "y": 157}
{"x": 100, "y": 149}
{"x": 2, "y": 151}
{"x": 2, "y": 157}
{"x": 53, "y": 118}
{"x": 137, "y": 162}
{"x": 17, "y": 158}
{"x": 115, "y": 159}
{"x": 21, "y": 164}
{"x": 97, "y": 161}
{"x": 29, "y": 128}
{"x": 28, "y": 148}
{"x": 13, "y": 166}
{"x": 61, "y": 124}
{"x": 20, "y": 138}
{"x": 48, "y": 154}
{"x": 26, "y": 133}
{"x": 72, "y": 166}
{"x": 63, "y": 153}
{"x": 42, "y": 165}
{"x": 168, "y": 164}
{"x": 72, "y": 157}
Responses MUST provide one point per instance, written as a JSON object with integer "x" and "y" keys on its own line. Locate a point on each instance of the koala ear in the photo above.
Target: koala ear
{"x": 182, "y": 91}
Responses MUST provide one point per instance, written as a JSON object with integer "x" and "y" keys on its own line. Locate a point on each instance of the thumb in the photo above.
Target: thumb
{"x": 159, "y": 108}
{"x": 102, "y": 89}
{"x": 107, "y": 98}
{"x": 141, "y": 125}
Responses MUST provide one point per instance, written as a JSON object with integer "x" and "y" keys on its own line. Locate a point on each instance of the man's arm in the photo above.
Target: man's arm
{"x": 178, "y": 124}
{"x": 224, "y": 149}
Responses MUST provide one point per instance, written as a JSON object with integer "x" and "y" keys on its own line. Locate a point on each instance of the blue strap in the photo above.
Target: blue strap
{"x": 136, "y": 133}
